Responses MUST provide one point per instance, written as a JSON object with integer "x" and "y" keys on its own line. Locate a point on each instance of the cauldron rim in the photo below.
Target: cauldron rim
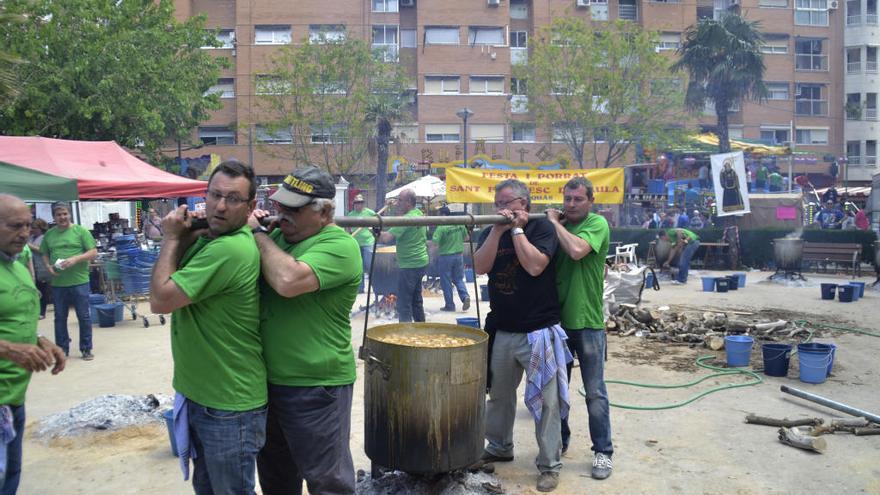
{"x": 477, "y": 335}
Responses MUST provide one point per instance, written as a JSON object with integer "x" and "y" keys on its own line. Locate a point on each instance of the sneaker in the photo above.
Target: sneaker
{"x": 88, "y": 356}
{"x": 448, "y": 308}
{"x": 564, "y": 449}
{"x": 489, "y": 457}
{"x": 548, "y": 481}
{"x": 466, "y": 304}
{"x": 601, "y": 466}
{"x": 676, "y": 282}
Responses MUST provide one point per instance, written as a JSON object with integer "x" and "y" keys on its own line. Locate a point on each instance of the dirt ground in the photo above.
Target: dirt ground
{"x": 703, "y": 447}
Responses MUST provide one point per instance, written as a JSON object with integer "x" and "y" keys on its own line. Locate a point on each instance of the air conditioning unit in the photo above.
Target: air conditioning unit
{"x": 407, "y": 3}
{"x": 583, "y": 3}
{"x": 494, "y": 3}
{"x": 833, "y": 5}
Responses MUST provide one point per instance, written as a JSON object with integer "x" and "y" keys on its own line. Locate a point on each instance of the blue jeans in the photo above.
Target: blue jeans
{"x": 588, "y": 345}
{"x": 367, "y": 258}
{"x": 684, "y": 260}
{"x": 452, "y": 272}
{"x": 307, "y": 438}
{"x": 13, "y": 453}
{"x": 409, "y": 295}
{"x": 226, "y": 445}
{"x": 78, "y": 296}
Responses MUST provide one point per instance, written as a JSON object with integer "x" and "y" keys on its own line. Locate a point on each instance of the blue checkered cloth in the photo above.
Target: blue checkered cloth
{"x": 549, "y": 358}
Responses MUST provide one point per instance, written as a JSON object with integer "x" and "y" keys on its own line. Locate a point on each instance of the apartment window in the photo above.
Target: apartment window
{"x": 439, "y": 85}
{"x": 871, "y": 59}
{"x": 519, "y": 39}
{"x": 563, "y": 131}
{"x": 522, "y": 133}
{"x": 225, "y": 87}
{"x": 871, "y": 12}
{"x": 517, "y": 86}
{"x": 487, "y": 85}
{"x": 626, "y": 9}
{"x": 735, "y": 132}
{"x": 280, "y": 136}
{"x": 385, "y": 6}
{"x": 330, "y": 88}
{"x": 665, "y": 1}
{"x": 327, "y": 134}
{"x": 213, "y": 135}
{"x": 853, "y": 106}
{"x": 519, "y": 9}
{"x": 438, "y": 35}
{"x": 490, "y": 133}
{"x": 442, "y": 133}
{"x": 808, "y": 55}
{"x": 811, "y": 136}
{"x": 599, "y": 10}
{"x": 777, "y": 91}
{"x": 773, "y": 4}
{"x": 811, "y": 12}
{"x": 853, "y": 60}
{"x": 226, "y": 37}
{"x": 265, "y": 84}
{"x": 272, "y": 35}
{"x": 775, "y": 44}
{"x": 871, "y": 152}
{"x": 853, "y": 12}
{"x": 870, "y": 106}
{"x": 408, "y": 38}
{"x": 669, "y": 41}
{"x": 774, "y": 135}
{"x": 385, "y": 41}
{"x": 809, "y": 100}
{"x": 405, "y": 134}
{"x": 853, "y": 152}
{"x": 485, "y": 35}
{"x": 322, "y": 33}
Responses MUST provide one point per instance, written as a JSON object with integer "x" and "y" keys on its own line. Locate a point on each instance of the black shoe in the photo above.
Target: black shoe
{"x": 466, "y": 304}
{"x": 489, "y": 457}
{"x": 88, "y": 356}
{"x": 447, "y": 308}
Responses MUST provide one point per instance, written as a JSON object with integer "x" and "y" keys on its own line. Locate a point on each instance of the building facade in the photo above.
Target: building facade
{"x": 861, "y": 82}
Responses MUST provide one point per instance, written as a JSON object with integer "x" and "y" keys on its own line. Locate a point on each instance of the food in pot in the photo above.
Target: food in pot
{"x": 425, "y": 340}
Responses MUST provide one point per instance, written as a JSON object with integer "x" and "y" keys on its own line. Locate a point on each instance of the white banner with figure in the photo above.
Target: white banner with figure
{"x": 731, "y": 185}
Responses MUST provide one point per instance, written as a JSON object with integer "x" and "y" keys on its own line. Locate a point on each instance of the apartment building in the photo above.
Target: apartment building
{"x": 861, "y": 83}
{"x": 460, "y": 54}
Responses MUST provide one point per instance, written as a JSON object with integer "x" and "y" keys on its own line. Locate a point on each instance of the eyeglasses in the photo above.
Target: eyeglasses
{"x": 231, "y": 199}
{"x": 505, "y": 204}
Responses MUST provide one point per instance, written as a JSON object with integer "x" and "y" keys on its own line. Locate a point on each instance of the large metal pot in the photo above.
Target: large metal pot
{"x": 385, "y": 271}
{"x": 788, "y": 254}
{"x": 424, "y": 406}
{"x": 662, "y": 247}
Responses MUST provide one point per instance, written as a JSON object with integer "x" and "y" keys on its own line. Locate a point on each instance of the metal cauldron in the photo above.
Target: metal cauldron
{"x": 424, "y": 406}
{"x": 661, "y": 252}
{"x": 385, "y": 271}
{"x": 788, "y": 254}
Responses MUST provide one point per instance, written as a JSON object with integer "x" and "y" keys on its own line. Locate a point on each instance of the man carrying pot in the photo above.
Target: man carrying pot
{"x": 311, "y": 273}
{"x": 412, "y": 258}
{"x": 684, "y": 244}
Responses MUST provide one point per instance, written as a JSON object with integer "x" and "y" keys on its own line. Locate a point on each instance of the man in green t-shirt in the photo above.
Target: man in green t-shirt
{"x": 207, "y": 278}
{"x": 580, "y": 279}
{"x": 684, "y": 245}
{"x": 363, "y": 236}
{"x": 67, "y": 249}
{"x": 22, "y": 350}
{"x": 311, "y": 271}
{"x": 761, "y": 178}
{"x": 775, "y": 180}
{"x": 412, "y": 258}
{"x": 450, "y": 244}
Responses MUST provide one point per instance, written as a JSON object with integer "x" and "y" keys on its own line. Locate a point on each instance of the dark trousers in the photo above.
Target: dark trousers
{"x": 307, "y": 438}
{"x": 64, "y": 297}
{"x": 588, "y": 345}
{"x": 409, "y": 295}
{"x": 13, "y": 453}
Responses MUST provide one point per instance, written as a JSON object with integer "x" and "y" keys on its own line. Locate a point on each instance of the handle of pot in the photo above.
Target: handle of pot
{"x": 372, "y": 362}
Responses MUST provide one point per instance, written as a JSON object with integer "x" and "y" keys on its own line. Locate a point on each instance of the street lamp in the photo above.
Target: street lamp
{"x": 463, "y": 114}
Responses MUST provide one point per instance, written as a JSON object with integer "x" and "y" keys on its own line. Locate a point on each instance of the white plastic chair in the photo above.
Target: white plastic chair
{"x": 626, "y": 254}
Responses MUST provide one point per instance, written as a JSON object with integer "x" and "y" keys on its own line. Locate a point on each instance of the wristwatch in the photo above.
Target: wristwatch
{"x": 259, "y": 230}
{"x": 517, "y": 231}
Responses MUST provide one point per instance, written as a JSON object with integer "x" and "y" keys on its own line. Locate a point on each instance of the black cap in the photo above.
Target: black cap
{"x": 303, "y": 185}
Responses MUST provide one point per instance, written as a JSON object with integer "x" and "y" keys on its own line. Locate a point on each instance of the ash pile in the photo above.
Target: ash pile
{"x": 696, "y": 327}
{"x": 459, "y": 482}
{"x": 107, "y": 412}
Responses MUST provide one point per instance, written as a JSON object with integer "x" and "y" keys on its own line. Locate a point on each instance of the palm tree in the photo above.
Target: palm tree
{"x": 388, "y": 103}
{"x": 724, "y": 62}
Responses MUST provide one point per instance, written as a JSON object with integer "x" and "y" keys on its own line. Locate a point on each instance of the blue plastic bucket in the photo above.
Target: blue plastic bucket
{"x": 468, "y": 321}
{"x": 776, "y": 359}
{"x": 118, "y": 310}
{"x": 469, "y": 275}
{"x": 814, "y": 359}
{"x": 708, "y": 284}
{"x": 845, "y": 293}
{"x": 742, "y": 279}
{"x": 106, "y": 315}
{"x": 855, "y": 291}
{"x": 739, "y": 350}
{"x": 828, "y": 291}
{"x": 861, "y": 286}
{"x": 484, "y": 292}
{"x": 169, "y": 423}
{"x": 722, "y": 284}
{"x": 732, "y": 282}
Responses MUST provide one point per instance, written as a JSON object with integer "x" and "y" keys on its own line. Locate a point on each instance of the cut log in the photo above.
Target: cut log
{"x": 858, "y": 422}
{"x": 796, "y": 438}
{"x": 866, "y": 431}
{"x": 715, "y": 343}
{"x": 761, "y": 420}
{"x": 737, "y": 326}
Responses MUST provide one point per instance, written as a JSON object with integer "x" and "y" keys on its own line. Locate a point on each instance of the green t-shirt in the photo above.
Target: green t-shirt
{"x": 688, "y": 233}
{"x": 762, "y": 174}
{"x": 25, "y": 256}
{"x": 450, "y": 239}
{"x": 580, "y": 284}
{"x": 775, "y": 179}
{"x": 364, "y": 236}
{"x": 19, "y": 310}
{"x": 412, "y": 248}
{"x": 215, "y": 341}
{"x": 307, "y": 338}
{"x": 72, "y": 241}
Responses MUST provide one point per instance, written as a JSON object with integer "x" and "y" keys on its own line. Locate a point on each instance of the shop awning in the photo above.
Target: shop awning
{"x": 747, "y": 145}
{"x": 31, "y": 185}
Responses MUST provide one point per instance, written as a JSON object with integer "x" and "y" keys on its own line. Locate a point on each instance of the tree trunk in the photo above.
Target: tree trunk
{"x": 383, "y": 136}
{"x": 721, "y": 111}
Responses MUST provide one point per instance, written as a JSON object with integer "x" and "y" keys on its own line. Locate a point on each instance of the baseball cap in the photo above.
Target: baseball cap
{"x": 358, "y": 198}
{"x": 303, "y": 185}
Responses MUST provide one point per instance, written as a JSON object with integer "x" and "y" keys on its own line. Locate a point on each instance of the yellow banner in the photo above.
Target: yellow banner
{"x": 476, "y": 185}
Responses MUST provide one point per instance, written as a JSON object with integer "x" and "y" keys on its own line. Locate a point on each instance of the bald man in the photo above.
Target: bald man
{"x": 22, "y": 350}
{"x": 412, "y": 258}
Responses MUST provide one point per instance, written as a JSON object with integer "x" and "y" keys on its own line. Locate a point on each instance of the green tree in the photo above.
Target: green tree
{"x": 388, "y": 103}
{"x": 8, "y": 60}
{"x": 122, "y": 70}
{"x": 603, "y": 87}
{"x": 724, "y": 63}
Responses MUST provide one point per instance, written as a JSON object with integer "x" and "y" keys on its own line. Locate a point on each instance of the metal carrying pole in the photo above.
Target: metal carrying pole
{"x": 425, "y": 221}
{"x": 818, "y": 399}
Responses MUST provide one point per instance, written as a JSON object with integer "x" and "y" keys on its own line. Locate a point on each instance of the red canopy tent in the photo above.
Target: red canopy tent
{"x": 102, "y": 169}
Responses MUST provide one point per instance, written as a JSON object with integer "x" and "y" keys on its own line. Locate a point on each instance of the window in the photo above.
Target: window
{"x": 853, "y": 106}
{"x": 626, "y": 9}
{"x": 212, "y": 135}
{"x": 280, "y": 136}
{"x": 485, "y": 35}
{"x": 811, "y": 136}
{"x": 777, "y": 91}
{"x": 272, "y": 35}
{"x": 853, "y": 60}
{"x": 406, "y": 134}
{"x": 519, "y": 9}
{"x": 265, "y": 84}
{"x": 385, "y": 42}
{"x": 775, "y": 44}
{"x": 517, "y": 86}
{"x": 735, "y": 132}
{"x": 564, "y": 131}
{"x": 439, "y": 35}
{"x": 322, "y": 33}
{"x": 226, "y": 37}
{"x": 438, "y": 85}
{"x": 225, "y": 87}
{"x": 775, "y": 135}
{"x": 809, "y": 100}
{"x": 808, "y": 55}
{"x": 327, "y": 134}
{"x": 871, "y": 59}
{"x": 773, "y": 4}
{"x": 853, "y": 12}
{"x": 811, "y": 12}
{"x": 853, "y": 152}
{"x": 442, "y": 133}
{"x": 490, "y": 133}
{"x": 487, "y": 85}
{"x": 871, "y": 12}
{"x": 330, "y": 88}
{"x": 519, "y": 39}
{"x": 871, "y": 152}
{"x": 599, "y": 10}
{"x": 669, "y": 41}
{"x": 522, "y": 133}
{"x": 870, "y": 106}
{"x": 408, "y": 38}
{"x": 385, "y": 6}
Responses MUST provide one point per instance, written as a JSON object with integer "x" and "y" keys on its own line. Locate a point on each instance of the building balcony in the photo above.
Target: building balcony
{"x": 519, "y": 104}
{"x": 870, "y": 114}
{"x": 627, "y": 12}
{"x": 854, "y": 20}
{"x": 853, "y": 67}
{"x": 816, "y": 108}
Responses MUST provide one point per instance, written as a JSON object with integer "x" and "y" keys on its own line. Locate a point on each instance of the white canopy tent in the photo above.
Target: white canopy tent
{"x": 425, "y": 187}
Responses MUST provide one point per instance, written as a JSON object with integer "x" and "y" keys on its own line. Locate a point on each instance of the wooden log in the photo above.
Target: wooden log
{"x": 852, "y": 422}
{"x": 866, "y": 431}
{"x": 795, "y": 438}
{"x": 715, "y": 343}
{"x": 737, "y": 326}
{"x": 762, "y": 420}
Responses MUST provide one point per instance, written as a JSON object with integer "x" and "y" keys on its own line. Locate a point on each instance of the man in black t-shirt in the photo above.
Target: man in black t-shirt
{"x": 526, "y": 335}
